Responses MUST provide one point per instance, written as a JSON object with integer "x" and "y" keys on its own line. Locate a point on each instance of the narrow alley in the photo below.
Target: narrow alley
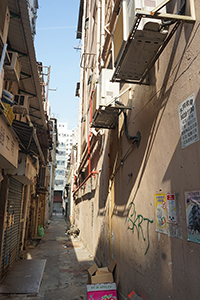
{"x": 67, "y": 261}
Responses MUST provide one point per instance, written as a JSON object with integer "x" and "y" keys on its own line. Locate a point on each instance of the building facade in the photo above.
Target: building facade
{"x": 25, "y": 139}
{"x": 138, "y": 188}
{"x": 65, "y": 142}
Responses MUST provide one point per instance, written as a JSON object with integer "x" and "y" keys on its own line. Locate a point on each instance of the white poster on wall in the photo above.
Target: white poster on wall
{"x": 188, "y": 121}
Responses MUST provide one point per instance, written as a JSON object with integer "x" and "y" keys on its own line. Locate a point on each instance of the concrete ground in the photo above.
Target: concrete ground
{"x": 65, "y": 273}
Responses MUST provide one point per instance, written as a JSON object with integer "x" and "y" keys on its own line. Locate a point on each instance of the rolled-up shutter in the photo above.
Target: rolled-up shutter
{"x": 11, "y": 226}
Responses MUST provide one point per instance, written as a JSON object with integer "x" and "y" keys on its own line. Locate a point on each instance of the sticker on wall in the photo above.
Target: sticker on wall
{"x": 161, "y": 213}
{"x": 171, "y": 208}
{"x": 192, "y": 200}
{"x": 188, "y": 122}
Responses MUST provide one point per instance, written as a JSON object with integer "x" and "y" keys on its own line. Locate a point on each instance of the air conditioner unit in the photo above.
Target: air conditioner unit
{"x": 131, "y": 62}
{"x": 21, "y": 105}
{"x": 4, "y": 21}
{"x": 12, "y": 67}
{"x": 104, "y": 112}
{"x": 44, "y": 178}
{"x": 105, "y": 90}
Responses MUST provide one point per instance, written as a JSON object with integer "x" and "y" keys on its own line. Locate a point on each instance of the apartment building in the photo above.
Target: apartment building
{"x": 137, "y": 180}
{"x": 65, "y": 143}
{"x": 25, "y": 139}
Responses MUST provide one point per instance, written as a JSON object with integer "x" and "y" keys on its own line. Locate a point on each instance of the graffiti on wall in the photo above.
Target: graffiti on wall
{"x": 139, "y": 223}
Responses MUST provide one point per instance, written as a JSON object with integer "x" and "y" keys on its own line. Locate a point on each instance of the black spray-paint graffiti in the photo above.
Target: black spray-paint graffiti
{"x": 137, "y": 222}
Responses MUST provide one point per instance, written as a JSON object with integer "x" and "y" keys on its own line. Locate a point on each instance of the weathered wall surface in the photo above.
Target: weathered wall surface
{"x": 116, "y": 212}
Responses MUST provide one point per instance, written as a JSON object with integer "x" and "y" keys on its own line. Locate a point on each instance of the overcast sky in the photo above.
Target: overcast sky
{"x": 54, "y": 42}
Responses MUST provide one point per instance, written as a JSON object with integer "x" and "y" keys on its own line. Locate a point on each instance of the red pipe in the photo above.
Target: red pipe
{"x": 74, "y": 183}
{"x": 90, "y": 173}
{"x": 90, "y": 134}
{"x": 84, "y": 181}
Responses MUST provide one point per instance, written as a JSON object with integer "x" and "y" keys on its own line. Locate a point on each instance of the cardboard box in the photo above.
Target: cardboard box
{"x": 101, "y": 291}
{"x": 101, "y": 275}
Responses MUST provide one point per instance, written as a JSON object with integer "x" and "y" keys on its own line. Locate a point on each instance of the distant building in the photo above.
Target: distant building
{"x": 65, "y": 143}
{"x": 33, "y": 7}
{"x": 52, "y": 166}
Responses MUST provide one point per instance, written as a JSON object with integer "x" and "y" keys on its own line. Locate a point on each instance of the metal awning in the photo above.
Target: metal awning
{"x": 20, "y": 40}
{"x": 139, "y": 53}
{"x": 106, "y": 117}
{"x": 28, "y": 138}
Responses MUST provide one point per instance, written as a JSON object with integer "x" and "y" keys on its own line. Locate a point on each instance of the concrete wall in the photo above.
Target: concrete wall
{"x": 116, "y": 212}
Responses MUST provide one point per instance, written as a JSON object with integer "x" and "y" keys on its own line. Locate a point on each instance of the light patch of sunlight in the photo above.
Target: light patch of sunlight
{"x": 29, "y": 256}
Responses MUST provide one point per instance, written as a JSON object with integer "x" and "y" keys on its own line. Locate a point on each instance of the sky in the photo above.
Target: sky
{"x": 55, "y": 40}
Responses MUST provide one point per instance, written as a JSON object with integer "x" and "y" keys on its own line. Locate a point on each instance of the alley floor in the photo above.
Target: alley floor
{"x": 67, "y": 261}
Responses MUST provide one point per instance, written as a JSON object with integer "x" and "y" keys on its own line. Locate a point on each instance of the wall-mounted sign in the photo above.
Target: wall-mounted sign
{"x": 192, "y": 200}
{"x": 171, "y": 208}
{"x": 9, "y": 146}
{"x": 188, "y": 122}
{"x": 161, "y": 213}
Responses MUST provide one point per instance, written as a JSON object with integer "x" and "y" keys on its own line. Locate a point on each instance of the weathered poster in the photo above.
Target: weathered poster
{"x": 171, "y": 208}
{"x": 192, "y": 200}
{"x": 161, "y": 213}
{"x": 188, "y": 122}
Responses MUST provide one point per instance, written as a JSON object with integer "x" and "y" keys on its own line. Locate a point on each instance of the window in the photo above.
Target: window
{"x": 61, "y": 162}
{"x": 59, "y": 182}
{"x": 62, "y": 153}
{"x": 60, "y": 172}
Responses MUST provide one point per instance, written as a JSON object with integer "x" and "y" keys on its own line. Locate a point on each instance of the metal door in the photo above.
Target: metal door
{"x": 11, "y": 226}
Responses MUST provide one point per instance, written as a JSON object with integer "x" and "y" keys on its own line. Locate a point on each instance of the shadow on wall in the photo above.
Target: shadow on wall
{"x": 150, "y": 274}
{"x": 128, "y": 175}
{"x": 183, "y": 174}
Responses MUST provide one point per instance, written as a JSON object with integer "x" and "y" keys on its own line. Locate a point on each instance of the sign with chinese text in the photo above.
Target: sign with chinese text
{"x": 161, "y": 213}
{"x": 188, "y": 122}
{"x": 192, "y": 201}
{"x": 9, "y": 146}
{"x": 171, "y": 208}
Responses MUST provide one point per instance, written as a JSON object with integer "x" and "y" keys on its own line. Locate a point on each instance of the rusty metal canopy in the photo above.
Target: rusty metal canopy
{"x": 28, "y": 138}
{"x": 106, "y": 117}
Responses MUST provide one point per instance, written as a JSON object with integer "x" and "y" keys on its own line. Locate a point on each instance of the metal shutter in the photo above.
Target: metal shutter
{"x": 11, "y": 226}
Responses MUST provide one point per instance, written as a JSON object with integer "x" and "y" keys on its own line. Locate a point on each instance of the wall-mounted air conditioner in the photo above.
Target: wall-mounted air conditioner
{"x": 44, "y": 178}
{"x": 21, "y": 105}
{"x": 131, "y": 61}
{"x": 105, "y": 90}
{"x": 12, "y": 67}
{"x": 4, "y": 21}
{"x": 105, "y": 113}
